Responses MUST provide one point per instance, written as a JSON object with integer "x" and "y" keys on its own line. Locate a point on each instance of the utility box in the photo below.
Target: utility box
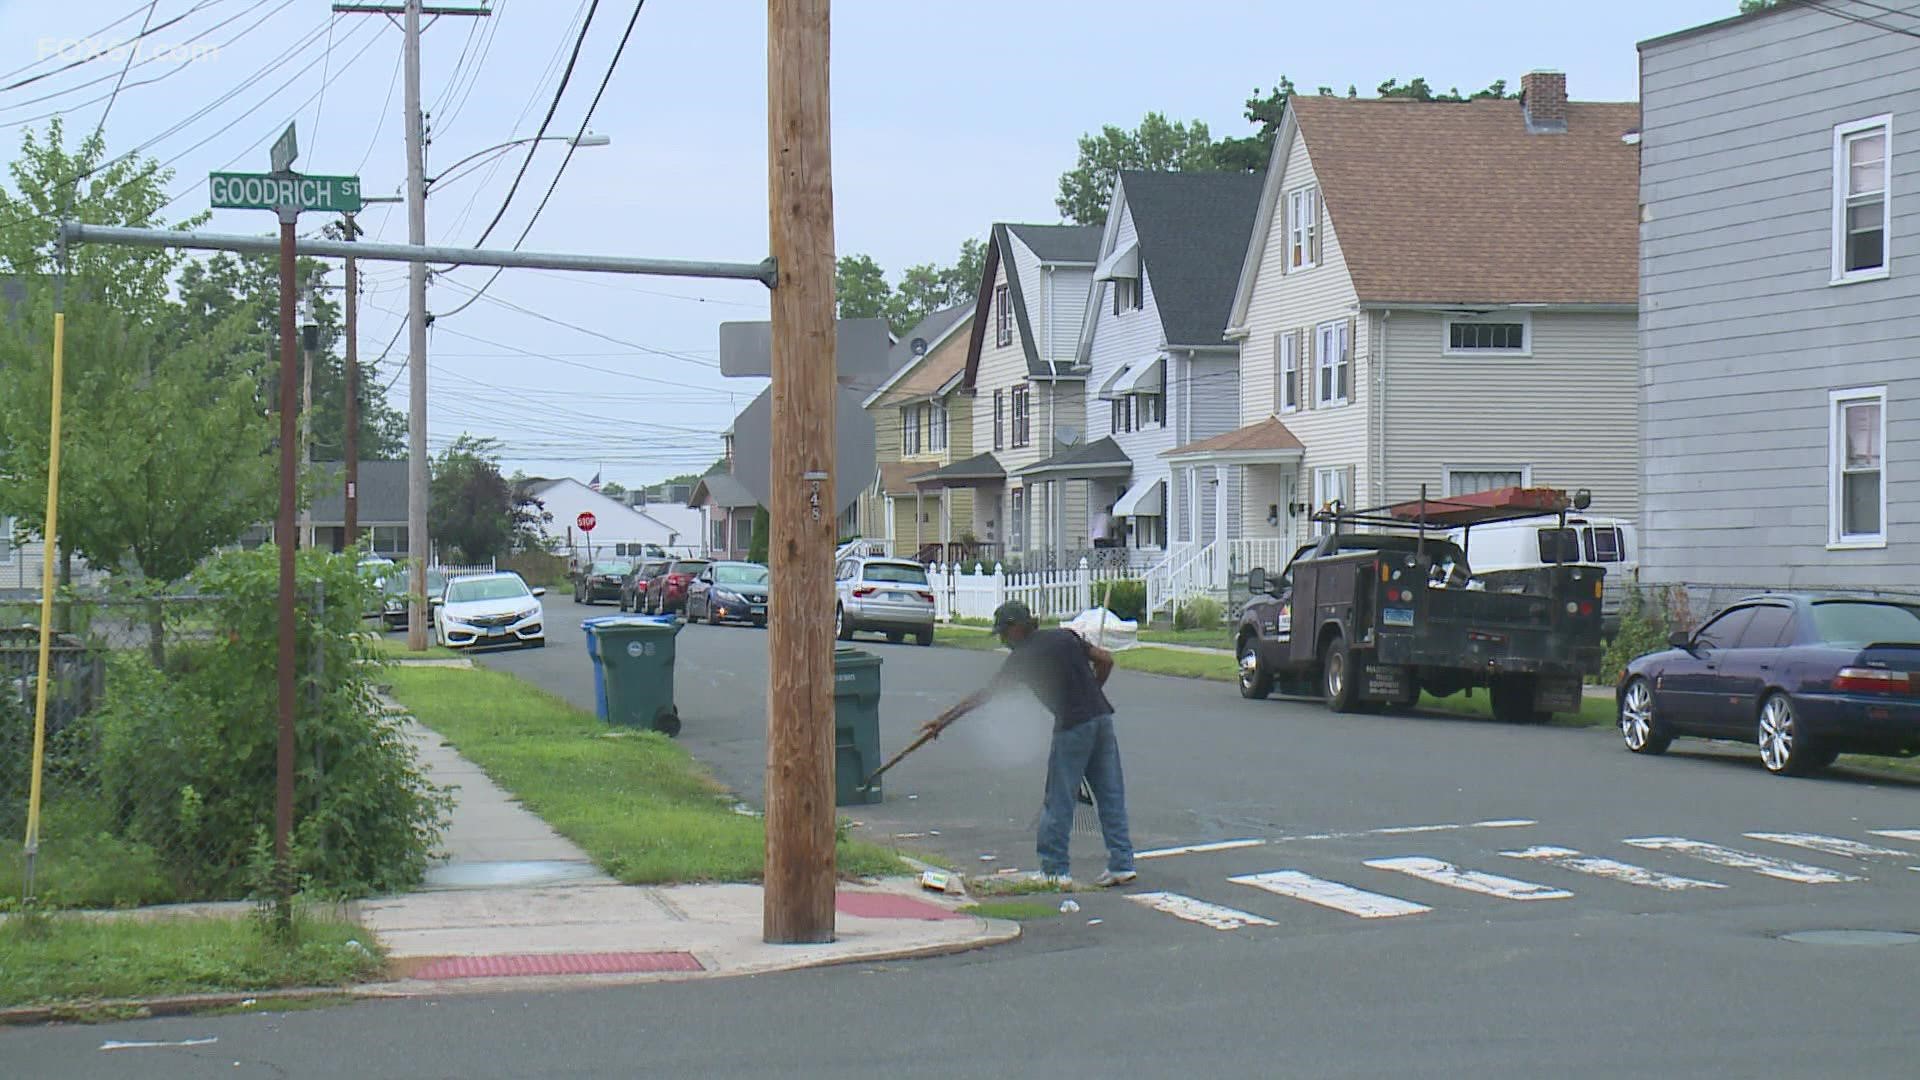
{"x": 633, "y": 671}
{"x": 856, "y": 725}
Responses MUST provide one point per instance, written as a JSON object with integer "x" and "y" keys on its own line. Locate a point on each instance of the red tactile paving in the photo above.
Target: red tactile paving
{"x": 614, "y": 963}
{"x": 876, "y": 905}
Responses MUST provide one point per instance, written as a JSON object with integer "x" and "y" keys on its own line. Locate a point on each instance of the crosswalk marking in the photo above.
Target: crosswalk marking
{"x": 1195, "y": 849}
{"x": 1331, "y": 894}
{"x": 1186, "y": 907}
{"x": 1569, "y": 859}
{"x": 1830, "y": 845}
{"x": 1743, "y": 860}
{"x": 1909, "y": 835}
{"x": 1443, "y": 873}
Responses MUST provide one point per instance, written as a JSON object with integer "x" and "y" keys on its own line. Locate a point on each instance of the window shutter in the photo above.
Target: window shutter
{"x": 1309, "y": 354}
{"x": 1317, "y": 212}
{"x": 1286, "y": 234}
{"x": 1346, "y": 488}
{"x": 1353, "y": 353}
{"x": 1162, "y": 403}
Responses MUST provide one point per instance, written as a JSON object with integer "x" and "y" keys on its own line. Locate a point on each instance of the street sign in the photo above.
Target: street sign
{"x": 860, "y": 350}
{"x": 853, "y": 466}
{"x": 285, "y": 149}
{"x": 270, "y": 191}
{"x": 586, "y": 521}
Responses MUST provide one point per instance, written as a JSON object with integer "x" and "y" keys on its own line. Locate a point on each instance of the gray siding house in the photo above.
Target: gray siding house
{"x": 1780, "y": 300}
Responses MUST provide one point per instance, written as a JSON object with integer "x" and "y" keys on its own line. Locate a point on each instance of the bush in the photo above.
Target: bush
{"x": 187, "y": 754}
{"x": 1199, "y": 613}
{"x": 762, "y": 534}
{"x": 1127, "y": 599}
{"x": 1644, "y": 626}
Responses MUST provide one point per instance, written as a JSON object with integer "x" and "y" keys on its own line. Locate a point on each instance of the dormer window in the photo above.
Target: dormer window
{"x": 1126, "y": 295}
{"x": 1002, "y": 315}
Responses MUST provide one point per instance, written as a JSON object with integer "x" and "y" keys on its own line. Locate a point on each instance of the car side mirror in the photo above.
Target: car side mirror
{"x": 436, "y": 601}
{"x": 1680, "y": 639}
{"x": 541, "y": 591}
{"x": 1257, "y": 580}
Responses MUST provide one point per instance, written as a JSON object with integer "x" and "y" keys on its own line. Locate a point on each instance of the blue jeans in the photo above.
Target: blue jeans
{"x": 1087, "y": 750}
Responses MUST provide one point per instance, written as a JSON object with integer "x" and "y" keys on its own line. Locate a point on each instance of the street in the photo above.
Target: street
{"x": 1423, "y": 896}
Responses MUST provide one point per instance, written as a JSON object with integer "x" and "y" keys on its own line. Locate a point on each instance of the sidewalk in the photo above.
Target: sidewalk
{"x": 518, "y": 906}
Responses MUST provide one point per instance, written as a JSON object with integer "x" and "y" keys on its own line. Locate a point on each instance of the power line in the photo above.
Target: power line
{"x": 128, "y": 44}
{"x": 89, "y": 37}
{"x": 380, "y": 124}
{"x": 174, "y": 69}
{"x": 572, "y": 145}
{"x": 326, "y": 75}
{"x": 486, "y": 50}
{"x": 115, "y": 95}
{"x": 581, "y": 329}
{"x": 534, "y": 146}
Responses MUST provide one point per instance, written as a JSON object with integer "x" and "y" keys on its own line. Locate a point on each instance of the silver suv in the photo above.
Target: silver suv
{"x": 889, "y": 596}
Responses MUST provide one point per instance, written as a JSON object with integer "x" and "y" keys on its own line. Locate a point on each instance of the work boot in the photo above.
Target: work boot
{"x": 1108, "y": 879}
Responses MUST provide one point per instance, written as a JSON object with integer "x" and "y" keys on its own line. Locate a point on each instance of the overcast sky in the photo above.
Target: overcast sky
{"x": 946, "y": 118}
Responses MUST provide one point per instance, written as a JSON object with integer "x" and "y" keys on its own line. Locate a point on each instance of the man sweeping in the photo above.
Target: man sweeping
{"x": 1066, "y": 672}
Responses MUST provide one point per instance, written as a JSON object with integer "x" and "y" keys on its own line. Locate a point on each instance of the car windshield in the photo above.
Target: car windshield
{"x": 740, "y": 575}
{"x": 614, "y": 568}
{"x": 689, "y": 567}
{"x": 1861, "y": 622}
{"x": 1559, "y": 546}
{"x": 487, "y": 588}
{"x": 896, "y": 573}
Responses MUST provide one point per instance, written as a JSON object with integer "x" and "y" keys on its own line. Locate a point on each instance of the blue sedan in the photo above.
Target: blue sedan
{"x": 1805, "y": 676}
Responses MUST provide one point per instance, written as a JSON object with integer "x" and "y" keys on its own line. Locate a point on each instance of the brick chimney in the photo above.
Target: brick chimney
{"x": 1543, "y": 101}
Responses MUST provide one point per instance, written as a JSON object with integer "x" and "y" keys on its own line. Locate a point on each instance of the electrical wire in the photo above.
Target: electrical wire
{"x": 583, "y": 330}
{"x": 326, "y": 76}
{"x": 124, "y": 68}
{"x": 380, "y": 125}
{"x": 128, "y": 44}
{"x": 479, "y": 65}
{"x": 172, "y": 70}
{"x": 95, "y": 34}
{"x": 534, "y": 146}
{"x": 1816, "y": 5}
{"x": 572, "y": 145}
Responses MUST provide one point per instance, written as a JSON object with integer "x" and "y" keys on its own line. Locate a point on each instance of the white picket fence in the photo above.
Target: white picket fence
{"x": 960, "y": 593}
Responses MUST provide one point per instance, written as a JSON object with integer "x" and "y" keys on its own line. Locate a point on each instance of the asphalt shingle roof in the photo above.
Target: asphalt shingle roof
{"x": 1061, "y": 243}
{"x": 722, "y": 490}
{"x": 1268, "y": 434}
{"x": 1101, "y": 454}
{"x": 1193, "y": 230}
{"x": 1455, "y": 202}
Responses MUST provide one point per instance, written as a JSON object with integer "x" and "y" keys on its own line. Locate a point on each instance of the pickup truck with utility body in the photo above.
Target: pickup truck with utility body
{"x": 1370, "y": 619}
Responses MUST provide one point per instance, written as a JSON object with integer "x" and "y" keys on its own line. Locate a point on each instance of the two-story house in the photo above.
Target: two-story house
{"x": 1780, "y": 303}
{"x": 1159, "y": 373}
{"x": 1028, "y": 392}
{"x": 920, "y": 423}
{"x": 1435, "y": 296}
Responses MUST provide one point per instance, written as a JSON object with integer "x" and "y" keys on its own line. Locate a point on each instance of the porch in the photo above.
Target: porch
{"x": 1240, "y": 507}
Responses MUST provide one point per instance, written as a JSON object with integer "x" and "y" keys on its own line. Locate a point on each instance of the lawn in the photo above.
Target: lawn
{"x": 82, "y": 865}
{"x": 1219, "y": 637}
{"x": 48, "y": 960}
{"x": 1017, "y": 910}
{"x": 1147, "y": 660}
{"x": 395, "y": 648}
{"x": 636, "y": 801}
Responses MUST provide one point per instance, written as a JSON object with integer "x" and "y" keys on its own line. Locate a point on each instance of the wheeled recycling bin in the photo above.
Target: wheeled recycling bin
{"x": 633, "y": 671}
{"x": 856, "y": 725}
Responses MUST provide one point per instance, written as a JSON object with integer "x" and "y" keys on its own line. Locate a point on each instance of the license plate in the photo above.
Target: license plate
{"x": 497, "y": 632}
{"x": 1397, "y": 616}
{"x": 758, "y": 609}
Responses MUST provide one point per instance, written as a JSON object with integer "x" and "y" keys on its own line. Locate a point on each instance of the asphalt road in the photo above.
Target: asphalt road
{"x": 1650, "y": 958}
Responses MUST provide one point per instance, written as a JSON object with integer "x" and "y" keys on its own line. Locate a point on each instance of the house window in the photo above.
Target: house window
{"x": 1331, "y": 485}
{"x": 1021, "y": 426}
{"x": 1862, "y": 168}
{"x": 1303, "y": 225}
{"x": 1858, "y": 510}
{"x": 1152, "y": 410}
{"x": 1126, "y": 294}
{"x": 1472, "y": 479}
{"x": 720, "y": 535}
{"x": 1289, "y": 346}
{"x": 999, "y": 420}
{"x": 909, "y": 430}
{"x": 743, "y": 532}
{"x": 1334, "y": 373}
{"x": 1510, "y": 333}
{"x": 390, "y": 539}
{"x": 936, "y": 428}
{"x": 1117, "y": 415}
{"x": 1017, "y": 518}
{"x": 1003, "y": 316}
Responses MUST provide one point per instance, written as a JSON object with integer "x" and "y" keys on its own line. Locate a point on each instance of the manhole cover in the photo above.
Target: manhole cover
{"x": 1852, "y": 937}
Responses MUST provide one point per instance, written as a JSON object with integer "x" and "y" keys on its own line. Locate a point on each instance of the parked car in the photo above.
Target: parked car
{"x": 633, "y": 587}
{"x": 667, "y": 590}
{"x": 882, "y": 595}
{"x": 1612, "y": 543}
{"x": 394, "y": 609}
{"x": 1805, "y": 676}
{"x": 491, "y": 609}
{"x": 378, "y": 568}
{"x": 729, "y": 592}
{"x": 601, "y": 581}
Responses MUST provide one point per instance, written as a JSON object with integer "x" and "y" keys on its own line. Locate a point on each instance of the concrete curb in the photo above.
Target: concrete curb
{"x": 175, "y": 1005}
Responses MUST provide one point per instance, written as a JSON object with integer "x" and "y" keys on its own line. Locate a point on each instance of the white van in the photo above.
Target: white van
{"x": 1613, "y": 543}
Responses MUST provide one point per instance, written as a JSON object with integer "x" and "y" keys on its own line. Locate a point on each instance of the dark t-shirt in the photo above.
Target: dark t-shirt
{"x": 1058, "y": 667}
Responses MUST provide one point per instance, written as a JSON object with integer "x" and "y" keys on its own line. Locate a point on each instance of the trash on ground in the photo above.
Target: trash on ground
{"x": 913, "y": 796}
{"x": 1068, "y": 907}
{"x": 1008, "y": 870}
{"x": 1095, "y": 922}
{"x": 908, "y": 835}
{"x": 1116, "y": 633}
{"x": 113, "y": 1044}
{"x": 988, "y": 858}
{"x": 935, "y": 881}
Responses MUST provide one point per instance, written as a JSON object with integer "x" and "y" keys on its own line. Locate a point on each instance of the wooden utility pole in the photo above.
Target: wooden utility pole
{"x": 349, "y": 232}
{"x": 285, "y": 540}
{"x": 799, "y": 869}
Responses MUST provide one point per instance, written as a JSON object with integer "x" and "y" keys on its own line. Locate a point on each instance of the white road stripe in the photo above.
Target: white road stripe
{"x": 1830, "y": 845}
{"x": 1404, "y": 829}
{"x": 1503, "y": 823}
{"x": 1569, "y": 859}
{"x": 1443, "y": 873}
{"x": 1331, "y": 894}
{"x": 1186, "y": 907}
{"x": 1912, "y": 836}
{"x": 1743, "y": 860}
{"x": 1195, "y": 849}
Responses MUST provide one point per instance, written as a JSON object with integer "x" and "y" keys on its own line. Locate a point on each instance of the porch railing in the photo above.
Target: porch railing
{"x": 1189, "y": 571}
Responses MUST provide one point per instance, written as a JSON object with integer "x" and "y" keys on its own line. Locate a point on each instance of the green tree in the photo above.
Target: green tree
{"x": 1157, "y": 144}
{"x": 474, "y": 510}
{"x": 1748, "y": 7}
{"x": 613, "y": 489}
{"x": 863, "y": 291}
{"x": 860, "y": 288}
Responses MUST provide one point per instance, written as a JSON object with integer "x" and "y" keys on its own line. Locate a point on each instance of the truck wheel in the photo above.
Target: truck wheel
{"x": 1256, "y": 682}
{"x": 1512, "y": 699}
{"x": 1337, "y": 669}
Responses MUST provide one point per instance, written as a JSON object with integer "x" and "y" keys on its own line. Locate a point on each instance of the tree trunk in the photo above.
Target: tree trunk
{"x": 157, "y": 632}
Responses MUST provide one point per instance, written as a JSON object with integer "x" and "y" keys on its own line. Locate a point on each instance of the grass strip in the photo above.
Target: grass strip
{"x": 636, "y": 801}
{"x": 1017, "y": 910}
{"x": 1219, "y": 637}
{"x": 1144, "y": 659}
{"x": 61, "y": 959}
{"x": 395, "y": 648}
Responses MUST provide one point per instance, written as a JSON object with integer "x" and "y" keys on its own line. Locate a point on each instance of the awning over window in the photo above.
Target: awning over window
{"x": 1141, "y": 500}
{"x": 1142, "y": 379}
{"x": 1123, "y": 263}
{"x": 1109, "y": 389}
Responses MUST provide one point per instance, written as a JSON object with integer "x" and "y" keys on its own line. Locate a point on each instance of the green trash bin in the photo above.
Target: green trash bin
{"x": 856, "y": 725}
{"x": 637, "y": 658}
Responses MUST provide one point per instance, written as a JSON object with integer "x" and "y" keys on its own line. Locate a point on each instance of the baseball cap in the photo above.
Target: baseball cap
{"x": 1010, "y": 614}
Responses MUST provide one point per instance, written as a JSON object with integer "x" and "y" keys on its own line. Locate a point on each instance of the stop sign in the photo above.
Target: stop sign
{"x": 586, "y": 521}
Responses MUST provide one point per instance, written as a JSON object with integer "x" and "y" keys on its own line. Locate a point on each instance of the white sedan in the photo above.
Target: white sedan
{"x": 491, "y": 609}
